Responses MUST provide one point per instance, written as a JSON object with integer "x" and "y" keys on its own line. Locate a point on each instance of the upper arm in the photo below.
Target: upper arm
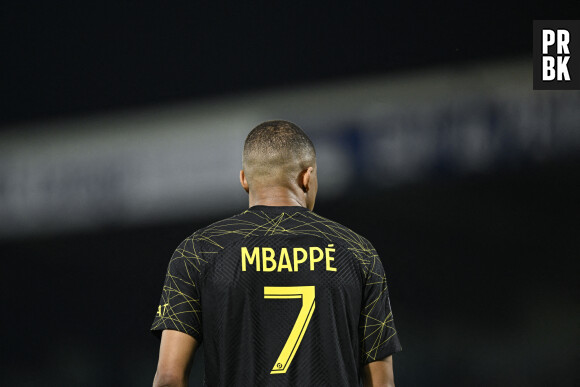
{"x": 178, "y": 317}
{"x": 379, "y": 373}
{"x": 176, "y": 353}
{"x": 180, "y": 306}
{"x": 377, "y": 332}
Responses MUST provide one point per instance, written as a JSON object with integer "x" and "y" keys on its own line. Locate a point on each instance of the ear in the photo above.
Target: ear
{"x": 244, "y": 181}
{"x": 306, "y": 176}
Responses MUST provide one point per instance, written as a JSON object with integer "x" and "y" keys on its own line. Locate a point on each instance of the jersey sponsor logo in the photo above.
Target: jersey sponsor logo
{"x": 267, "y": 259}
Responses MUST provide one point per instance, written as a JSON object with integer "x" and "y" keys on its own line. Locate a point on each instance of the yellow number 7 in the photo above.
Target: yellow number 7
{"x": 306, "y": 293}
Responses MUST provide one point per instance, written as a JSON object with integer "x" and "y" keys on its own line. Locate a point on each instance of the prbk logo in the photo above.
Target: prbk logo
{"x": 559, "y": 64}
{"x": 556, "y": 54}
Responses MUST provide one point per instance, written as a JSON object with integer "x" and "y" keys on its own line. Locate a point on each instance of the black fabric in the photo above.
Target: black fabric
{"x": 246, "y": 317}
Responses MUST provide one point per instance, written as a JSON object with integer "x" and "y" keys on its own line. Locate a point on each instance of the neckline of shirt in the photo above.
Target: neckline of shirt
{"x": 278, "y": 209}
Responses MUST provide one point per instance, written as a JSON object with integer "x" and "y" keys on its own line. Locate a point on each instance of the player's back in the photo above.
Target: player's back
{"x": 280, "y": 296}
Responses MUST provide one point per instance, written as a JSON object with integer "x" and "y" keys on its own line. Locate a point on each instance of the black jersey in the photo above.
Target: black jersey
{"x": 279, "y": 296}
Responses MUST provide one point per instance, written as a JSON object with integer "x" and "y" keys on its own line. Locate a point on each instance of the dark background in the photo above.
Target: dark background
{"x": 78, "y": 58}
{"x": 481, "y": 268}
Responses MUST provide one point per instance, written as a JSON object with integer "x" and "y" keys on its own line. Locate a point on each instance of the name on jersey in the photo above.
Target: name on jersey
{"x": 267, "y": 259}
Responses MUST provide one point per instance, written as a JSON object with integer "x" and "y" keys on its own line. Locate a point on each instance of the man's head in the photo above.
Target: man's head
{"x": 278, "y": 156}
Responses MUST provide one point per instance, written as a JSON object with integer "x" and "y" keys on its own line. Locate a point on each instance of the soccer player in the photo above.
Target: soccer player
{"x": 279, "y": 295}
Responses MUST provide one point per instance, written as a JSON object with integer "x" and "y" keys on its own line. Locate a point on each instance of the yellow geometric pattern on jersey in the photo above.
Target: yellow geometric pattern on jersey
{"x": 178, "y": 306}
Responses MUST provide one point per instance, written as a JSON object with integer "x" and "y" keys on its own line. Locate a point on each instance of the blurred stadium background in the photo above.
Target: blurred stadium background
{"x": 121, "y": 133}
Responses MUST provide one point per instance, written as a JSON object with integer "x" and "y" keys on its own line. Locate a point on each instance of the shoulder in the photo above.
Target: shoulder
{"x": 341, "y": 234}
{"x": 359, "y": 247}
{"x": 198, "y": 248}
{"x": 215, "y": 235}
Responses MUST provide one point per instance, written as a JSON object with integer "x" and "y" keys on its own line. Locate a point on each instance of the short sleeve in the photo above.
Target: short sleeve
{"x": 379, "y": 337}
{"x": 180, "y": 307}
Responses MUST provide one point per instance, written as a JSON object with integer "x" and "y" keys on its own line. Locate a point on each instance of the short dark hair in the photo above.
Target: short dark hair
{"x": 279, "y": 144}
